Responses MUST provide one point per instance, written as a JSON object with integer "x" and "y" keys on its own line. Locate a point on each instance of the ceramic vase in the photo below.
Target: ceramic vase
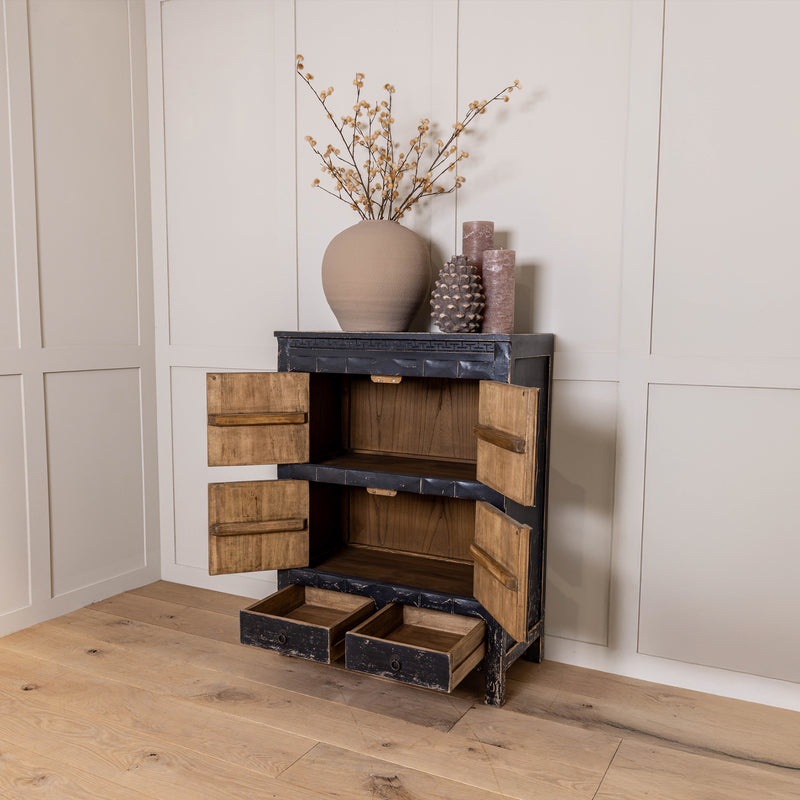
{"x": 375, "y": 276}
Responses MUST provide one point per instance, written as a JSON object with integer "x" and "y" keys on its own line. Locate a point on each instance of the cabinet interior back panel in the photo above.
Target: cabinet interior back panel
{"x": 430, "y": 417}
{"x": 94, "y": 447}
{"x": 726, "y": 278}
{"x": 421, "y": 524}
{"x": 14, "y": 570}
{"x": 83, "y": 146}
{"x": 9, "y": 335}
{"x": 720, "y": 544}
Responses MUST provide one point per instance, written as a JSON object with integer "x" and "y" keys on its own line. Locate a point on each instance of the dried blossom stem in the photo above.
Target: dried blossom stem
{"x": 372, "y": 186}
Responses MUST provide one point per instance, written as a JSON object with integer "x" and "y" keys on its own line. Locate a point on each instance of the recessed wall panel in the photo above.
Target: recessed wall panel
{"x": 580, "y": 509}
{"x": 720, "y": 545}
{"x": 9, "y": 318}
{"x": 549, "y": 166}
{"x": 14, "y": 565}
{"x": 423, "y": 72}
{"x": 191, "y": 473}
{"x": 228, "y": 282}
{"x": 94, "y": 449}
{"x": 82, "y": 125}
{"x": 726, "y": 277}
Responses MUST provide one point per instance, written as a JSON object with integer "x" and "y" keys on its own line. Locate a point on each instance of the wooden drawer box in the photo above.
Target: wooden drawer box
{"x": 304, "y": 621}
{"x": 416, "y": 645}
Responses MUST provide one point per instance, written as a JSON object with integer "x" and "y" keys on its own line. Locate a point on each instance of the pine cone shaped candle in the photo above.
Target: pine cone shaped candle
{"x": 457, "y": 300}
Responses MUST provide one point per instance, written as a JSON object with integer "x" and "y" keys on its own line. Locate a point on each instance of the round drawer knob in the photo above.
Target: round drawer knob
{"x": 282, "y": 638}
{"x": 395, "y": 665}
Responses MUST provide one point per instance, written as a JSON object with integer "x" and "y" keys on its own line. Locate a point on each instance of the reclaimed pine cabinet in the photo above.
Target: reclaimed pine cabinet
{"x": 408, "y": 520}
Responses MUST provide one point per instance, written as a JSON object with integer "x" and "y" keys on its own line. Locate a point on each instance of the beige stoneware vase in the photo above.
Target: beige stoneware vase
{"x": 375, "y": 276}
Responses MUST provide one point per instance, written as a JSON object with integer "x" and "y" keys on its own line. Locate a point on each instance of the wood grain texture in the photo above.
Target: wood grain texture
{"x": 420, "y": 524}
{"x": 405, "y": 569}
{"x": 304, "y": 621}
{"x": 96, "y": 687}
{"x": 507, "y": 448}
{"x": 243, "y": 534}
{"x": 237, "y": 395}
{"x": 502, "y": 589}
{"x": 416, "y": 645}
{"x": 639, "y": 770}
{"x": 428, "y": 417}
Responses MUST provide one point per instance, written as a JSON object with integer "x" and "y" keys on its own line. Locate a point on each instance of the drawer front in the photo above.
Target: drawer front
{"x": 417, "y": 646}
{"x": 304, "y": 621}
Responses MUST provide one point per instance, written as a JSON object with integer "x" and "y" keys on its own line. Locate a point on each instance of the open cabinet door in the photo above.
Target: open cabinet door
{"x": 257, "y": 418}
{"x": 257, "y": 525}
{"x": 501, "y": 551}
{"x": 506, "y": 432}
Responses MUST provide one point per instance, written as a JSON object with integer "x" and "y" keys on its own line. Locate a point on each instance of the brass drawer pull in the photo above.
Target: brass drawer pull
{"x": 382, "y": 492}
{"x": 494, "y": 568}
{"x": 386, "y": 378}
{"x": 499, "y": 438}
{"x": 266, "y": 418}
{"x": 395, "y": 664}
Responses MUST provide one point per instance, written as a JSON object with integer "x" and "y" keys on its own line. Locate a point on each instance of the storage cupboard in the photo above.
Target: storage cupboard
{"x": 408, "y": 520}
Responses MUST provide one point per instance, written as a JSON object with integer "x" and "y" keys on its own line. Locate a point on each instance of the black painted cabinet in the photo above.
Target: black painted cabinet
{"x": 408, "y": 519}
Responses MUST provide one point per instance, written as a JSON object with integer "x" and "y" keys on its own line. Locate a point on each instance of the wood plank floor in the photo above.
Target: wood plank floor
{"x": 149, "y": 695}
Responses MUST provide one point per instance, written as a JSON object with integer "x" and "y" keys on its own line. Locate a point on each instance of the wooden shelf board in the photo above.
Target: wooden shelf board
{"x": 404, "y": 569}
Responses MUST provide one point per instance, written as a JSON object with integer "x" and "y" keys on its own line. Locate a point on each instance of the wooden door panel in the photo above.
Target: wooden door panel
{"x": 506, "y": 432}
{"x": 502, "y": 554}
{"x": 257, "y": 525}
{"x": 257, "y": 418}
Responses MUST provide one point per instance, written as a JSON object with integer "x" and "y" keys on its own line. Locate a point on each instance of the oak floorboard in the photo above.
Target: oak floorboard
{"x": 162, "y": 665}
{"x": 406, "y": 744}
{"x": 344, "y": 775}
{"x": 25, "y": 775}
{"x": 318, "y": 680}
{"x": 247, "y": 745}
{"x": 656, "y": 714}
{"x": 206, "y": 599}
{"x": 661, "y": 773}
{"x": 123, "y": 757}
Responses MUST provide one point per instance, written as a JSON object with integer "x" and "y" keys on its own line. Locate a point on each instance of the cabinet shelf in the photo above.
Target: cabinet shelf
{"x": 399, "y": 473}
{"x": 404, "y": 569}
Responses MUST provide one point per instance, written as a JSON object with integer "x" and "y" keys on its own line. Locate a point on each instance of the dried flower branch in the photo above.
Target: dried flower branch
{"x": 370, "y": 172}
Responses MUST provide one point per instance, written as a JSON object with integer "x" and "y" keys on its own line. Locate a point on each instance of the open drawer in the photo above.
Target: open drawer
{"x": 304, "y": 621}
{"x": 416, "y": 645}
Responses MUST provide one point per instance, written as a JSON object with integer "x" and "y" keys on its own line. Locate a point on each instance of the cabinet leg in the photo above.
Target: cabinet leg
{"x": 535, "y": 652}
{"x": 495, "y": 667}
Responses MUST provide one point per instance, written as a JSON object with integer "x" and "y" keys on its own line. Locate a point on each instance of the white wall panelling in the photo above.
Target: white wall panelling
{"x": 15, "y": 586}
{"x": 424, "y": 75}
{"x": 81, "y": 65}
{"x": 584, "y": 438}
{"x": 76, "y": 274}
{"x": 230, "y": 218}
{"x": 222, "y": 123}
{"x": 9, "y": 318}
{"x": 96, "y": 478}
{"x": 720, "y": 544}
{"x": 726, "y": 269}
{"x": 627, "y": 217}
{"x": 548, "y": 166}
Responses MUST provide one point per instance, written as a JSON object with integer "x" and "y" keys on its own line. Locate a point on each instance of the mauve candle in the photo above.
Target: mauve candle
{"x": 498, "y": 285}
{"x": 477, "y": 236}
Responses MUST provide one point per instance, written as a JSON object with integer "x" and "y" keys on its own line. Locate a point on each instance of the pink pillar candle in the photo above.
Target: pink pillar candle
{"x": 477, "y": 237}
{"x": 498, "y": 286}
